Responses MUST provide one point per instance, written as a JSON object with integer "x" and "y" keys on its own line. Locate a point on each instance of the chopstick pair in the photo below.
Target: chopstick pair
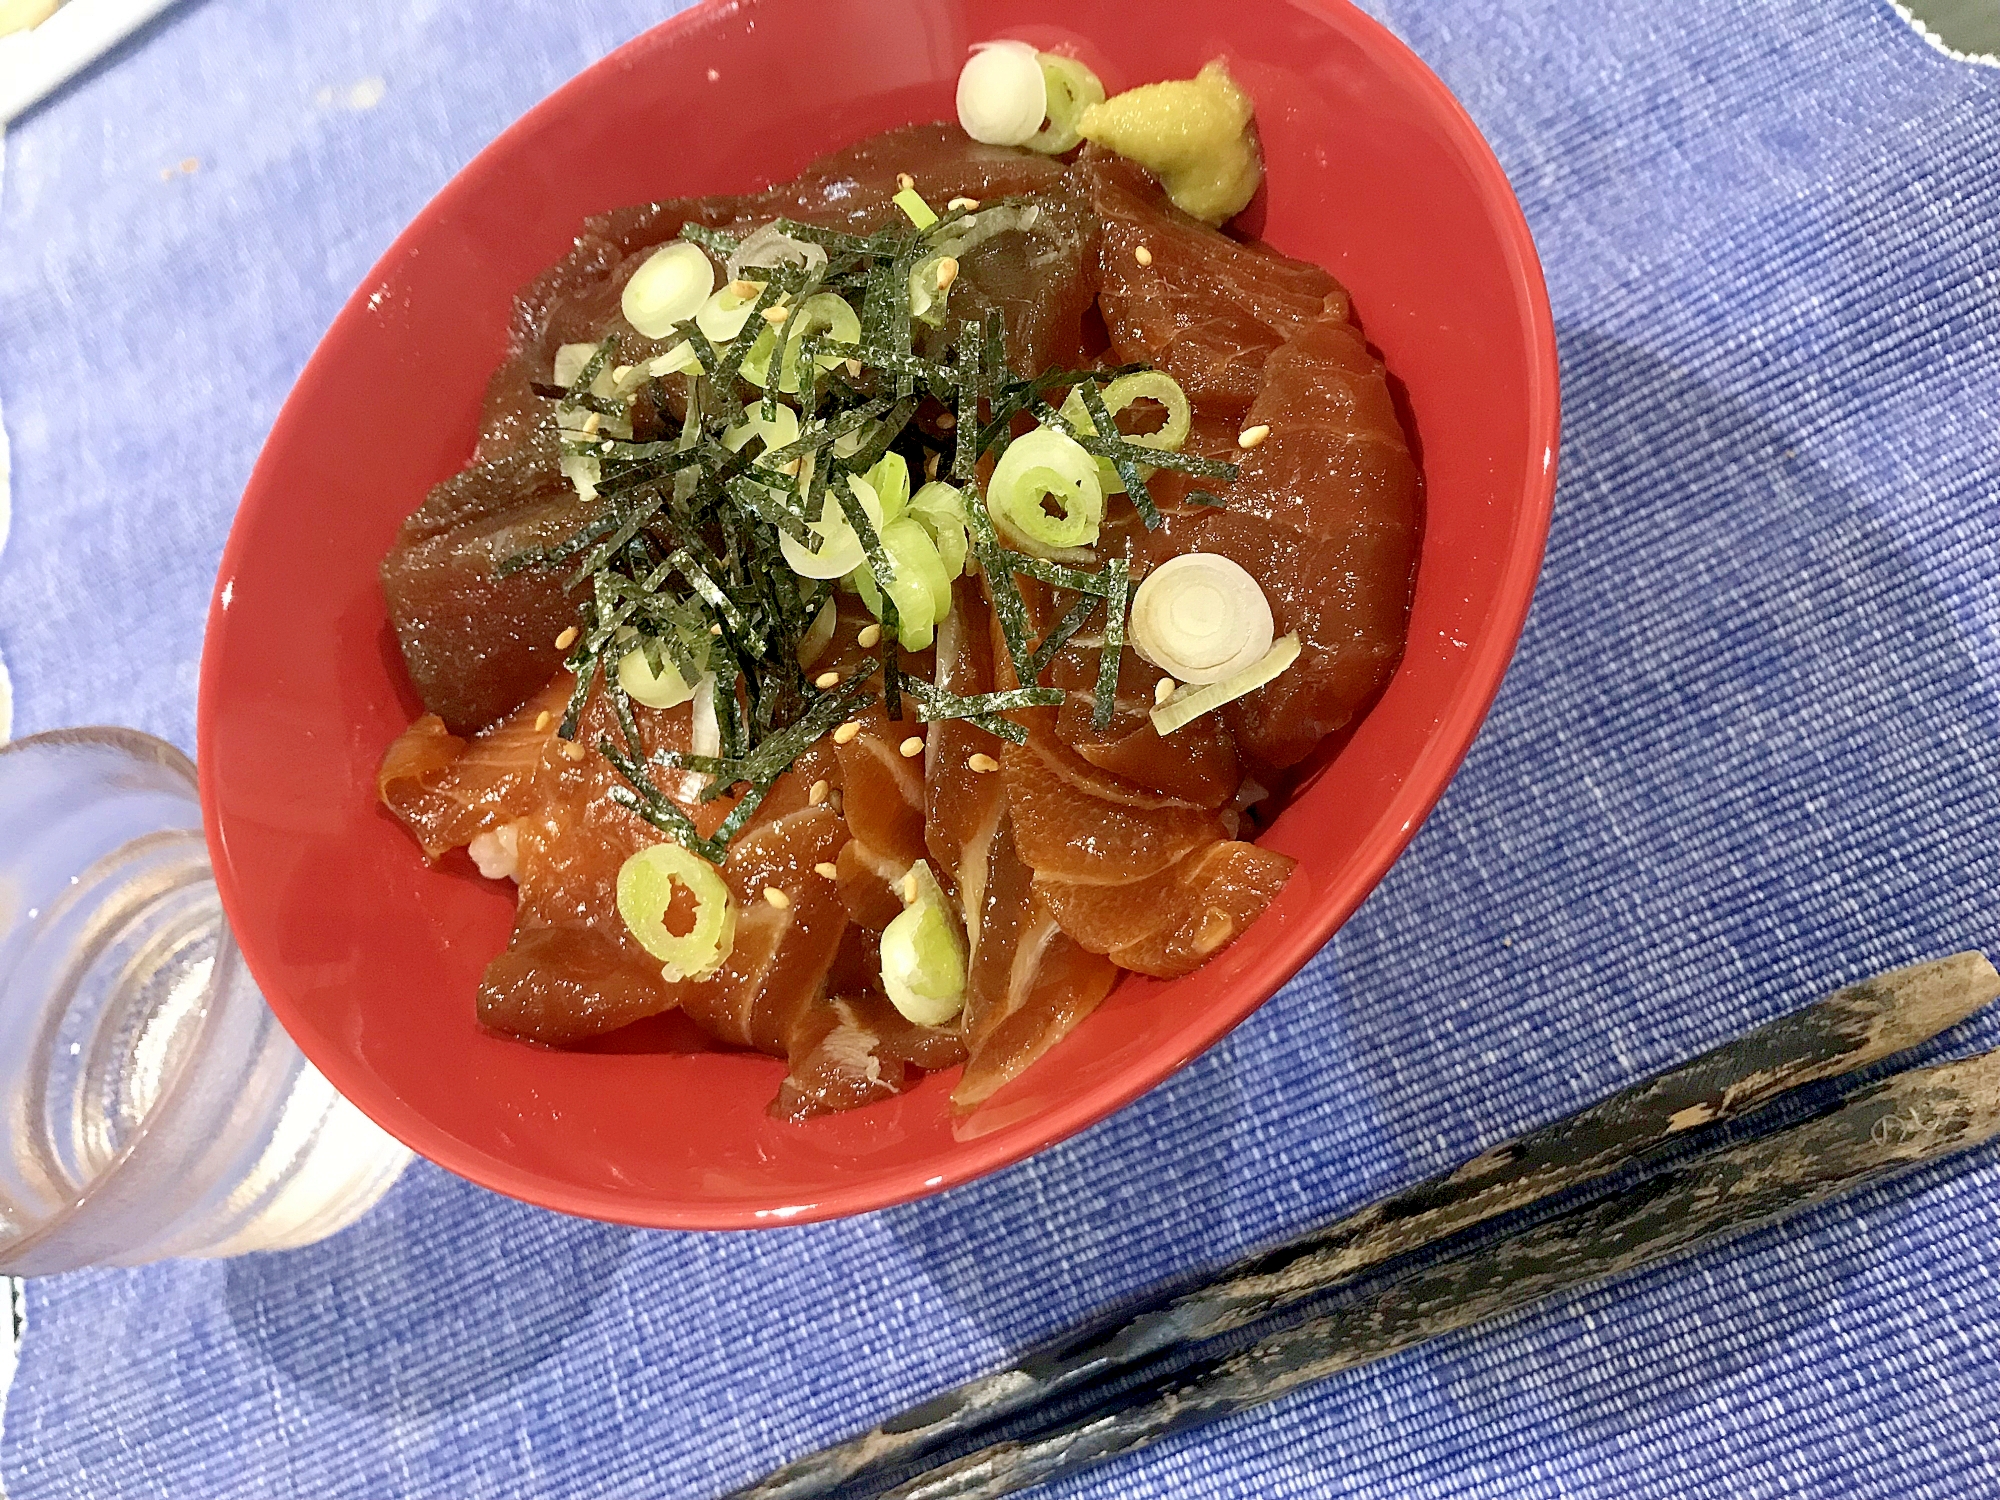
{"x": 1155, "y": 1369}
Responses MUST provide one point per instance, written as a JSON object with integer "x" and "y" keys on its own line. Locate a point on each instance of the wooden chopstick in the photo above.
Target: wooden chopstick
{"x": 1841, "y": 1034}
{"x": 1905, "y": 1121}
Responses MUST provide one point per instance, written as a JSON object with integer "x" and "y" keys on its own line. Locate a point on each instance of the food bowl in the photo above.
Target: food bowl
{"x": 371, "y": 959}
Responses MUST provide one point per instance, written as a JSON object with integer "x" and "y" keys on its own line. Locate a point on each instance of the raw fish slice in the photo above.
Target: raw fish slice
{"x": 1028, "y": 983}
{"x": 448, "y": 791}
{"x": 1325, "y": 516}
{"x": 836, "y": 1060}
{"x": 882, "y": 801}
{"x": 478, "y": 644}
{"x": 963, "y": 807}
{"x": 1042, "y": 280}
{"x": 882, "y": 790}
{"x": 852, "y": 188}
{"x": 1174, "y": 921}
{"x": 1205, "y": 308}
{"x": 1130, "y": 872}
{"x": 1078, "y": 822}
{"x": 562, "y": 985}
{"x": 1196, "y": 764}
{"x": 868, "y": 882}
{"x": 849, "y": 1050}
{"x": 576, "y": 301}
{"x": 779, "y": 964}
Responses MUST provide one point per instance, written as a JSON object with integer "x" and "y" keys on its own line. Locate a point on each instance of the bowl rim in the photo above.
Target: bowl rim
{"x": 1284, "y": 954}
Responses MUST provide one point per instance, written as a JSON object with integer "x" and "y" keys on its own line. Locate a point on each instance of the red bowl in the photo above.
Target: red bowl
{"x": 370, "y": 959}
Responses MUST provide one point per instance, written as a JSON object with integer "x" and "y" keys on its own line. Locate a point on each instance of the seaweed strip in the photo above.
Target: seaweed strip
{"x": 1128, "y": 469}
{"x": 1114, "y": 645}
{"x": 1059, "y": 635}
{"x": 719, "y": 244}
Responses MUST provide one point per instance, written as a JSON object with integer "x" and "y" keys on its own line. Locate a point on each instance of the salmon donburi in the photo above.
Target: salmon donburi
{"x": 880, "y": 607}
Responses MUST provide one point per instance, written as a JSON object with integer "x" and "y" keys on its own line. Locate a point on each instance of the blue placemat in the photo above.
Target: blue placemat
{"x": 1746, "y": 752}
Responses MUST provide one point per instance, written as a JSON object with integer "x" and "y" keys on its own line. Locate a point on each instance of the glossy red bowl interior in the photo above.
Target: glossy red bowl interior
{"x": 371, "y": 959}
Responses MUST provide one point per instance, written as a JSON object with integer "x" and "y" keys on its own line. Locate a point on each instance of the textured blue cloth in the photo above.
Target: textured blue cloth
{"x": 1746, "y": 752}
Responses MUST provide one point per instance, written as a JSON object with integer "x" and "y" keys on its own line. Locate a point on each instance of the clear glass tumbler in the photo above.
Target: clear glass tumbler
{"x": 153, "y": 1106}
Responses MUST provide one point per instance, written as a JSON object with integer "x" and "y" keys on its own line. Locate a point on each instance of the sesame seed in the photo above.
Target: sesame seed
{"x": 775, "y": 315}
{"x": 1163, "y": 690}
{"x": 947, "y": 420}
{"x": 542, "y": 720}
{"x": 826, "y": 680}
{"x": 930, "y": 466}
{"x": 715, "y": 629}
{"x": 592, "y": 422}
{"x": 947, "y": 272}
{"x": 777, "y": 897}
{"x": 793, "y": 467}
{"x": 854, "y": 369}
{"x": 905, "y": 181}
{"x": 1142, "y": 255}
{"x": 913, "y": 746}
{"x": 818, "y": 793}
{"x": 910, "y": 889}
{"x": 827, "y": 869}
{"x": 744, "y": 291}
{"x": 567, "y": 639}
{"x": 572, "y": 751}
{"x": 846, "y": 732}
{"x": 981, "y": 762}
{"x": 1250, "y": 437}
{"x": 968, "y": 204}
{"x": 870, "y": 637}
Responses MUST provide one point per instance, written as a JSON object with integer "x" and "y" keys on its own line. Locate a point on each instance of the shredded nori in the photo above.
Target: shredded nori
{"x": 685, "y": 565}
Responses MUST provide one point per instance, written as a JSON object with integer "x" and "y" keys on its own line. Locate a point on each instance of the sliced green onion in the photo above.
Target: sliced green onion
{"x": 722, "y": 316}
{"x": 921, "y": 589}
{"x": 777, "y": 430}
{"x": 840, "y": 551}
{"x": 1190, "y": 703}
{"x": 823, "y": 313}
{"x": 1003, "y": 94}
{"x": 570, "y": 361}
{"x": 1071, "y": 88}
{"x": 668, "y": 288}
{"x": 677, "y": 360}
{"x": 890, "y": 479}
{"x": 769, "y": 246}
{"x": 941, "y": 509}
{"x": 1046, "y": 464}
{"x": 923, "y": 952}
{"x": 819, "y": 635}
{"x": 1201, "y": 618}
{"x": 1145, "y": 385}
{"x": 646, "y": 884}
{"x": 919, "y": 213}
{"x": 665, "y": 688}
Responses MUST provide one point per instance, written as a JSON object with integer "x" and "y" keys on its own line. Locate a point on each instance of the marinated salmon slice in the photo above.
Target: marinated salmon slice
{"x": 1325, "y": 516}
{"x": 850, "y": 1050}
{"x": 1173, "y": 922}
{"x": 448, "y": 791}
{"x": 1028, "y": 983}
{"x": 783, "y": 950}
{"x": 1076, "y": 821}
{"x": 882, "y": 800}
{"x": 1205, "y": 308}
{"x": 1148, "y": 879}
{"x": 962, "y": 804}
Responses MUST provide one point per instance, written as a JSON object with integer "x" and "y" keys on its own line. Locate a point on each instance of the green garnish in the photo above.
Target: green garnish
{"x": 687, "y": 564}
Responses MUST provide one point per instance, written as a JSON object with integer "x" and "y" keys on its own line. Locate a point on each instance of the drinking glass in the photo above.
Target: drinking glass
{"x": 153, "y": 1106}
